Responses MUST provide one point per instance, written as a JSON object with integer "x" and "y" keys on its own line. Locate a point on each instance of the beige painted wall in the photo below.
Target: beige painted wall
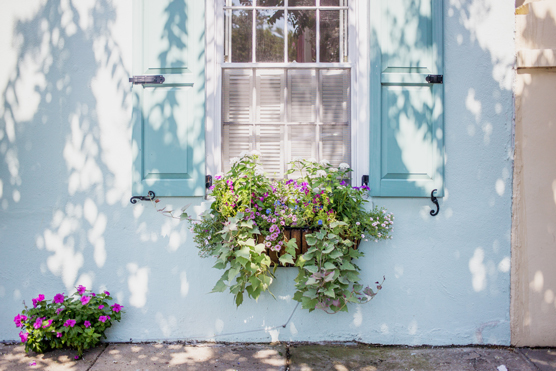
{"x": 533, "y": 303}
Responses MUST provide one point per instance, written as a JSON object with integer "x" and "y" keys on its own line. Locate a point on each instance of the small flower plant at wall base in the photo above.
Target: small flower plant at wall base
{"x": 251, "y": 213}
{"x": 77, "y": 321}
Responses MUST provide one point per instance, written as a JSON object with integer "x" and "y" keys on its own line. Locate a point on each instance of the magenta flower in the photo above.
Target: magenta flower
{"x": 23, "y": 336}
{"x": 102, "y": 319}
{"x": 100, "y": 306}
{"x": 85, "y": 299}
{"x": 117, "y": 307}
{"x": 81, "y": 289}
{"x": 19, "y": 319}
{"x": 87, "y": 324}
{"x": 59, "y": 310}
{"x": 48, "y": 325}
{"x": 37, "y": 300}
{"x": 69, "y": 323}
{"x": 58, "y": 334}
{"x": 76, "y": 357}
{"x": 58, "y": 299}
{"x": 106, "y": 293}
{"x": 93, "y": 294}
{"x": 38, "y": 323}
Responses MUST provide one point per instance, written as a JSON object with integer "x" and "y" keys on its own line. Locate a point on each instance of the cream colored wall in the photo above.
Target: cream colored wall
{"x": 533, "y": 303}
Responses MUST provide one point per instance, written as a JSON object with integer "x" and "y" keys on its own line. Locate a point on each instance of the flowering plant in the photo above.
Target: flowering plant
{"x": 76, "y": 321}
{"x": 251, "y": 213}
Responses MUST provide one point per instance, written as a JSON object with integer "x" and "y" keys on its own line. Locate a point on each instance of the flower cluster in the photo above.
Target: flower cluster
{"x": 251, "y": 213}
{"x": 77, "y": 321}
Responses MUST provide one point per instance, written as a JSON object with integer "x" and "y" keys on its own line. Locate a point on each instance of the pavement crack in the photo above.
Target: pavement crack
{"x": 526, "y": 358}
{"x": 97, "y": 357}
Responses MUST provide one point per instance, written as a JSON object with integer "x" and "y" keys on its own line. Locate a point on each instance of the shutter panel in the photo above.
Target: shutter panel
{"x": 168, "y": 119}
{"x": 270, "y": 143}
{"x": 237, "y": 96}
{"x": 302, "y": 100}
{"x": 270, "y": 96}
{"x": 235, "y": 139}
{"x": 407, "y": 147}
{"x": 335, "y": 144}
{"x": 334, "y": 87}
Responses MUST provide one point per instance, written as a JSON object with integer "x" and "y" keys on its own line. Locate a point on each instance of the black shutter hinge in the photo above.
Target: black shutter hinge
{"x": 208, "y": 181}
{"x": 435, "y": 79}
{"x": 365, "y": 180}
{"x": 147, "y": 79}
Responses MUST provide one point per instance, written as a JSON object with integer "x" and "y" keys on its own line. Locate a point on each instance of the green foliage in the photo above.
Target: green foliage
{"x": 78, "y": 321}
{"x": 250, "y": 213}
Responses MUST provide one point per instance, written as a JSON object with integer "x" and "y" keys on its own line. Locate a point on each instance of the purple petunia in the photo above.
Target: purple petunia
{"x": 102, "y": 319}
{"x": 23, "y": 336}
{"x": 85, "y": 299}
{"x": 58, "y": 298}
{"x": 38, "y": 322}
{"x": 19, "y": 319}
{"x": 48, "y": 324}
{"x": 100, "y": 306}
{"x": 59, "y": 310}
{"x": 116, "y": 308}
{"x": 37, "y": 300}
{"x": 58, "y": 334}
{"x": 81, "y": 289}
{"x": 69, "y": 323}
{"x": 87, "y": 324}
{"x": 106, "y": 293}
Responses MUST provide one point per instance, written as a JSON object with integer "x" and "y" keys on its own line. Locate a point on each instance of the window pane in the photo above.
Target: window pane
{"x": 330, "y": 36}
{"x": 331, "y": 2}
{"x": 242, "y": 36}
{"x": 270, "y": 2}
{"x": 302, "y": 30}
{"x": 302, "y": 3}
{"x": 270, "y": 36}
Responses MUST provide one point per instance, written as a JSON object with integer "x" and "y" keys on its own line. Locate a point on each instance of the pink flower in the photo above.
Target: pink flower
{"x": 59, "y": 310}
{"x": 106, "y": 293}
{"x": 32, "y": 363}
{"x": 85, "y": 299}
{"x": 48, "y": 325}
{"x": 37, "y": 300}
{"x": 69, "y": 323}
{"x": 19, "y": 319}
{"x": 102, "y": 319}
{"x": 38, "y": 323}
{"x": 58, "y": 298}
{"x": 23, "y": 336}
{"x": 116, "y": 308}
{"x": 100, "y": 306}
{"x": 93, "y": 294}
{"x": 81, "y": 289}
{"x": 76, "y": 357}
{"x": 87, "y": 324}
{"x": 58, "y": 334}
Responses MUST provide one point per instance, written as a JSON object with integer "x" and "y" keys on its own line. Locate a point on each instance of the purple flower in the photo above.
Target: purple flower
{"x": 48, "y": 325}
{"x": 116, "y": 308}
{"x": 106, "y": 293}
{"x": 37, "y": 300}
{"x": 85, "y": 299}
{"x": 38, "y": 323}
{"x": 19, "y": 319}
{"x": 69, "y": 323}
{"x": 76, "y": 357}
{"x": 58, "y": 298}
{"x": 320, "y": 222}
{"x": 87, "y": 324}
{"x": 100, "y": 306}
{"x": 58, "y": 334}
{"x": 81, "y": 289}
{"x": 59, "y": 310}
{"x": 93, "y": 294}
{"x": 102, "y": 319}
{"x": 23, "y": 336}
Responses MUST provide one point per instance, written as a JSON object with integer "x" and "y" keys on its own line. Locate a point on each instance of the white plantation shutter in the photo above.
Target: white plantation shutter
{"x": 302, "y": 99}
{"x": 271, "y": 145}
{"x": 236, "y": 139}
{"x": 334, "y": 143}
{"x": 237, "y": 96}
{"x": 334, "y": 87}
{"x": 270, "y": 95}
{"x": 286, "y": 114}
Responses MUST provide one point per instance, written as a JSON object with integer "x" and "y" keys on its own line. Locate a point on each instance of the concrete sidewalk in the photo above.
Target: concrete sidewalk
{"x": 280, "y": 357}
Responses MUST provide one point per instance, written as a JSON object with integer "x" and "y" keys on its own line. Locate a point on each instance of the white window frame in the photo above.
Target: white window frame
{"x": 359, "y": 59}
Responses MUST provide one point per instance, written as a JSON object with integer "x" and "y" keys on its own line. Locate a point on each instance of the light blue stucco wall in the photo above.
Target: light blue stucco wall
{"x": 65, "y": 216}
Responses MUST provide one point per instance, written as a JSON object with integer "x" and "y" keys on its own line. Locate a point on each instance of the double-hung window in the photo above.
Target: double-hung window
{"x": 286, "y": 81}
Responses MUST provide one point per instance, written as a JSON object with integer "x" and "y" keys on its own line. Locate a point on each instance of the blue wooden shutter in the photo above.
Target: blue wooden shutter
{"x": 407, "y": 145}
{"x": 169, "y": 119}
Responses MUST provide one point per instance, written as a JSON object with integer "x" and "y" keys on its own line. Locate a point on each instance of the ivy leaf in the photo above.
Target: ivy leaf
{"x": 259, "y": 248}
{"x": 312, "y": 268}
{"x": 239, "y": 298}
{"x": 220, "y": 285}
{"x": 347, "y": 266}
{"x": 320, "y": 234}
{"x": 335, "y": 254}
{"x": 329, "y": 266}
{"x": 330, "y": 292}
{"x": 255, "y": 282}
{"x": 310, "y": 240}
{"x": 310, "y": 293}
{"x": 232, "y": 273}
{"x": 286, "y": 258}
{"x": 244, "y": 252}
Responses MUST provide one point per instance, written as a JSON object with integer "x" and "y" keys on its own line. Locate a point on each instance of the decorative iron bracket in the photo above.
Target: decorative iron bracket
{"x": 150, "y": 197}
{"x": 434, "y": 201}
